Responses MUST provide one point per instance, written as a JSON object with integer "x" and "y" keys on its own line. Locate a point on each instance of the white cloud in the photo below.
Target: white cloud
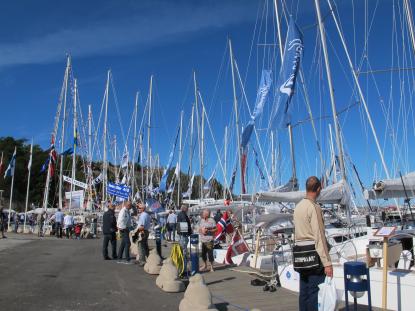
{"x": 136, "y": 32}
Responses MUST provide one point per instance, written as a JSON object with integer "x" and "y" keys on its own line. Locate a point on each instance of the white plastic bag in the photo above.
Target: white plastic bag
{"x": 327, "y": 295}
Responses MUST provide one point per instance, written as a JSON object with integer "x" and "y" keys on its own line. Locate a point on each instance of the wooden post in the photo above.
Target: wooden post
{"x": 385, "y": 274}
{"x": 257, "y": 246}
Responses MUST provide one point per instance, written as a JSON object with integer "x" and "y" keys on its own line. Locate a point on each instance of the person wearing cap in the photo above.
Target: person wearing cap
{"x": 109, "y": 229}
{"x": 124, "y": 225}
{"x": 143, "y": 227}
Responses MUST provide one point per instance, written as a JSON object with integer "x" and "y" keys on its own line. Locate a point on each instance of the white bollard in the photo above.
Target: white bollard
{"x": 197, "y": 296}
{"x": 153, "y": 263}
{"x": 168, "y": 280}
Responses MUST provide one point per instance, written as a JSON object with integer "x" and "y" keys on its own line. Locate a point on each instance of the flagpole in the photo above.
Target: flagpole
{"x": 11, "y": 192}
{"x": 28, "y": 186}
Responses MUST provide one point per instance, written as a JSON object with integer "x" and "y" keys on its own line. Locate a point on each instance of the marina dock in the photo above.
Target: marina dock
{"x": 54, "y": 274}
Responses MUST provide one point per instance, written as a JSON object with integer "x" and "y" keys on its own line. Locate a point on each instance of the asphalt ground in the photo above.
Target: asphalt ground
{"x": 60, "y": 274}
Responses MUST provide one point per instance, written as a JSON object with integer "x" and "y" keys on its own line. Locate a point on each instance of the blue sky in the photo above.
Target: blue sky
{"x": 170, "y": 39}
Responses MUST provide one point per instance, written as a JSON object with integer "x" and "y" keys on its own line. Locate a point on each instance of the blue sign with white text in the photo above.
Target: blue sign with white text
{"x": 119, "y": 190}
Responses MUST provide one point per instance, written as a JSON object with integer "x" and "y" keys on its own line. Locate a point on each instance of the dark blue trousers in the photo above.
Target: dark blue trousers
{"x": 308, "y": 299}
{"x": 125, "y": 245}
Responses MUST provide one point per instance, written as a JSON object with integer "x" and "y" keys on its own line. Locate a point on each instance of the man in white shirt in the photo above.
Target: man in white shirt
{"x": 124, "y": 225}
{"x": 144, "y": 224}
{"x": 171, "y": 225}
{"x": 58, "y": 223}
{"x": 68, "y": 224}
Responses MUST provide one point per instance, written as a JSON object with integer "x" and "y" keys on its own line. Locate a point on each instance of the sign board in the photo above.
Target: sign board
{"x": 76, "y": 199}
{"x": 118, "y": 190}
{"x": 385, "y": 232}
{"x": 75, "y": 182}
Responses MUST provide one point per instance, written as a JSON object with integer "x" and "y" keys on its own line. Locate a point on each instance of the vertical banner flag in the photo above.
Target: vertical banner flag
{"x": 188, "y": 193}
{"x": 52, "y": 157}
{"x": 293, "y": 51}
{"x": 29, "y": 165}
{"x": 12, "y": 164}
{"x": 163, "y": 181}
{"x": 124, "y": 161}
{"x": 261, "y": 98}
{"x": 1, "y": 163}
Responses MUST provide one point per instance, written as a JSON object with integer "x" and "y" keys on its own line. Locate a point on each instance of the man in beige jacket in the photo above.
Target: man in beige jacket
{"x": 309, "y": 228}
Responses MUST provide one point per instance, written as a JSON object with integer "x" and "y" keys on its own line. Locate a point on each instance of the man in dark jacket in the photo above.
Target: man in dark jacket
{"x": 184, "y": 229}
{"x": 109, "y": 228}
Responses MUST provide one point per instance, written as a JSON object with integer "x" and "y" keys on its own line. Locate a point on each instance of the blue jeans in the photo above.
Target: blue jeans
{"x": 308, "y": 299}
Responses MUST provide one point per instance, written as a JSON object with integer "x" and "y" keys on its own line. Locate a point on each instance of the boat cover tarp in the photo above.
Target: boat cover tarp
{"x": 392, "y": 188}
{"x": 337, "y": 193}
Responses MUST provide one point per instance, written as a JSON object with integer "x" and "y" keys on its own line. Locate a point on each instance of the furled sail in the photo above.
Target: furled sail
{"x": 392, "y": 188}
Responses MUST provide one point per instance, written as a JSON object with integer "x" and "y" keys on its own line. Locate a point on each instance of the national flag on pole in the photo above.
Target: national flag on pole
{"x": 163, "y": 181}
{"x": 75, "y": 139}
{"x": 67, "y": 152}
{"x": 222, "y": 227}
{"x": 124, "y": 161}
{"x": 188, "y": 193}
{"x": 237, "y": 247}
{"x": 293, "y": 51}
{"x": 208, "y": 183}
{"x": 12, "y": 165}
{"x": 29, "y": 165}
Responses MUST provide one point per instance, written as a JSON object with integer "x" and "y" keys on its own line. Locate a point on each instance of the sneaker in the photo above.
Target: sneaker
{"x": 107, "y": 258}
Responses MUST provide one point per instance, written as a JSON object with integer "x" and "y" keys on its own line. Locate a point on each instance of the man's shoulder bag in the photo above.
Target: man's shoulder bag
{"x": 305, "y": 258}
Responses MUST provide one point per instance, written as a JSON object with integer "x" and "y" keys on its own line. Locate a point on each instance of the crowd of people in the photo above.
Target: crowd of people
{"x": 132, "y": 225}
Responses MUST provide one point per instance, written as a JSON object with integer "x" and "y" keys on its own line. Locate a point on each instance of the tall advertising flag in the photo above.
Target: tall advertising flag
{"x": 261, "y": 98}
{"x": 293, "y": 52}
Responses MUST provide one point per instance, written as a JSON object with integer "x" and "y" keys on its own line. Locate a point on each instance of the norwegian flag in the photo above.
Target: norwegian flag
{"x": 52, "y": 157}
{"x": 222, "y": 227}
{"x": 237, "y": 247}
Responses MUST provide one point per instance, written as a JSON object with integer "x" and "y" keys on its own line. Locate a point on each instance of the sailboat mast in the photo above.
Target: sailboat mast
{"x": 198, "y": 136}
{"x": 134, "y": 145}
{"x": 180, "y": 159}
{"x": 235, "y": 103}
{"x": 67, "y": 70}
{"x": 333, "y": 155}
{"x": 141, "y": 165}
{"x": 105, "y": 164}
{"x": 225, "y": 162}
{"x": 29, "y": 167}
{"x": 272, "y": 158}
{"x": 74, "y": 142}
{"x": 89, "y": 154}
{"x": 191, "y": 141}
{"x": 117, "y": 179}
{"x": 330, "y": 84}
{"x": 202, "y": 150}
{"x": 148, "y": 129}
